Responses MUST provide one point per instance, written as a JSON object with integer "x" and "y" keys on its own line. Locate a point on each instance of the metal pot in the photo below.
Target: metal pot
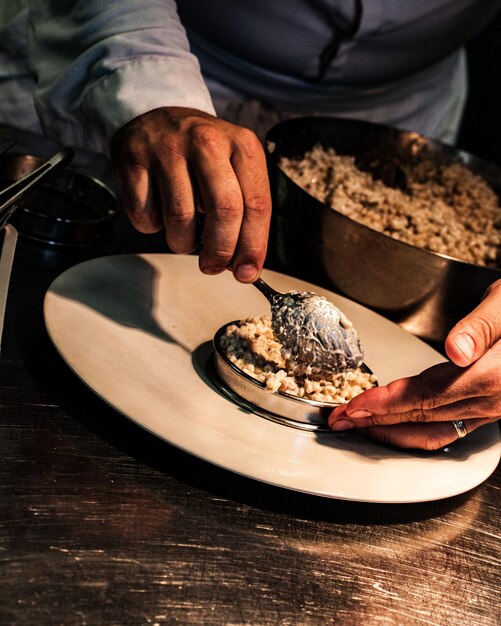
{"x": 425, "y": 292}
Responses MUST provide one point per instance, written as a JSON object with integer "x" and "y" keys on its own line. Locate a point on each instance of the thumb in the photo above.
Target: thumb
{"x": 478, "y": 331}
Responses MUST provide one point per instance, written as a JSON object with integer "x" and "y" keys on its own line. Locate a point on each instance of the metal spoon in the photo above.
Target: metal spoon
{"x": 313, "y": 330}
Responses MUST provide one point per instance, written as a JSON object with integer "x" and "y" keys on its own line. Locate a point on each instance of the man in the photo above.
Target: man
{"x": 142, "y": 82}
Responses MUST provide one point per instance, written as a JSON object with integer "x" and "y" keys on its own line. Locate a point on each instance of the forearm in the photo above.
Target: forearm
{"x": 100, "y": 64}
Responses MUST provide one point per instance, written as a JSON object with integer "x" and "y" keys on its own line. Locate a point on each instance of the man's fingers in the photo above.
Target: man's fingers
{"x": 421, "y": 436}
{"x": 221, "y": 198}
{"x": 472, "y": 408}
{"x": 249, "y": 164}
{"x": 437, "y": 386}
{"x": 193, "y": 160}
{"x": 138, "y": 197}
{"x": 440, "y": 384}
{"x": 178, "y": 205}
{"x": 478, "y": 331}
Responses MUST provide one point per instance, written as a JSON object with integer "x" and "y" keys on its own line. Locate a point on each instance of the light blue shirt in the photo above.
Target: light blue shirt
{"x": 79, "y": 70}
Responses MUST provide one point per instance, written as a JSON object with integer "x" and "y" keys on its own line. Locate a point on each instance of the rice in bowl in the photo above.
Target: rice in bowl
{"x": 253, "y": 348}
{"x": 447, "y": 209}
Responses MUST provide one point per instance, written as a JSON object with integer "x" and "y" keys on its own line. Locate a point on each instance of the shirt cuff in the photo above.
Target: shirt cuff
{"x": 134, "y": 88}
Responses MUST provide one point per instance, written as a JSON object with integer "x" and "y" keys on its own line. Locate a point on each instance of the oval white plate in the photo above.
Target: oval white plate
{"x": 135, "y": 328}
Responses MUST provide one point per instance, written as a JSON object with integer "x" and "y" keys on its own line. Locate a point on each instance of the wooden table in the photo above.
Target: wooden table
{"x": 103, "y": 523}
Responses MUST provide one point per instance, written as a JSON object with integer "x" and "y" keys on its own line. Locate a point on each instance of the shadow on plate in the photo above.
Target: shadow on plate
{"x": 104, "y": 292}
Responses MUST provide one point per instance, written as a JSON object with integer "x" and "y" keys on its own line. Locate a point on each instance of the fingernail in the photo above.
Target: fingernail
{"x": 465, "y": 344}
{"x": 360, "y": 413}
{"x": 246, "y": 272}
{"x": 342, "y": 425}
{"x": 212, "y": 270}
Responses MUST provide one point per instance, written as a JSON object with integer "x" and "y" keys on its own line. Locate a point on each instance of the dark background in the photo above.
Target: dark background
{"x": 480, "y": 132}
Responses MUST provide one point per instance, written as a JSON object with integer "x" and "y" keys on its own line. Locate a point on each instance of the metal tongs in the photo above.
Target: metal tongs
{"x": 13, "y": 194}
{"x": 10, "y": 198}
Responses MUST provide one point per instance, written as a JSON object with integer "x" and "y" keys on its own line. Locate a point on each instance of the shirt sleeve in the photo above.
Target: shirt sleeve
{"x": 101, "y": 63}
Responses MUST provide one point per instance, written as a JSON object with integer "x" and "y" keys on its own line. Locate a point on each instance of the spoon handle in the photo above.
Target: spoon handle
{"x": 265, "y": 289}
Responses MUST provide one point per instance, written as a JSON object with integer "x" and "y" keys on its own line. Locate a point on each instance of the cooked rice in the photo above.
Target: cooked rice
{"x": 445, "y": 208}
{"x": 252, "y": 347}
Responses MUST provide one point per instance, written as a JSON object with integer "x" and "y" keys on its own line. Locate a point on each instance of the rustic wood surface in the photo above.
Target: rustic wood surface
{"x": 103, "y": 523}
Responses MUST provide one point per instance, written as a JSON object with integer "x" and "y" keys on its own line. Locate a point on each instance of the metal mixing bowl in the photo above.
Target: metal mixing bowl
{"x": 251, "y": 394}
{"x": 425, "y": 292}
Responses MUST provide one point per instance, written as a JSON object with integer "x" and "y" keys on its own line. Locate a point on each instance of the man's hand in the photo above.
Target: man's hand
{"x": 417, "y": 412}
{"x": 175, "y": 162}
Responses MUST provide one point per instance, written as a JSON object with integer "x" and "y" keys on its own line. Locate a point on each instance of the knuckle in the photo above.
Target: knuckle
{"x": 133, "y": 152}
{"x": 258, "y": 205}
{"x": 227, "y": 212}
{"x": 427, "y": 401}
{"x": 248, "y": 140}
{"x": 135, "y": 208}
{"x": 431, "y": 443}
{"x": 178, "y": 216}
{"x": 420, "y": 414}
{"x": 376, "y": 420}
{"x": 483, "y": 329}
{"x": 253, "y": 252}
{"x": 166, "y": 152}
{"x": 141, "y": 217}
{"x": 138, "y": 157}
{"x": 144, "y": 222}
{"x": 206, "y": 136}
{"x": 220, "y": 256}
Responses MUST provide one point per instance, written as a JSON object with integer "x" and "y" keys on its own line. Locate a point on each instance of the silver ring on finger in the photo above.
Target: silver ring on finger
{"x": 460, "y": 428}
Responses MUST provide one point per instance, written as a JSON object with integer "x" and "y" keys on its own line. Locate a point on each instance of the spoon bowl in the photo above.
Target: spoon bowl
{"x": 313, "y": 330}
